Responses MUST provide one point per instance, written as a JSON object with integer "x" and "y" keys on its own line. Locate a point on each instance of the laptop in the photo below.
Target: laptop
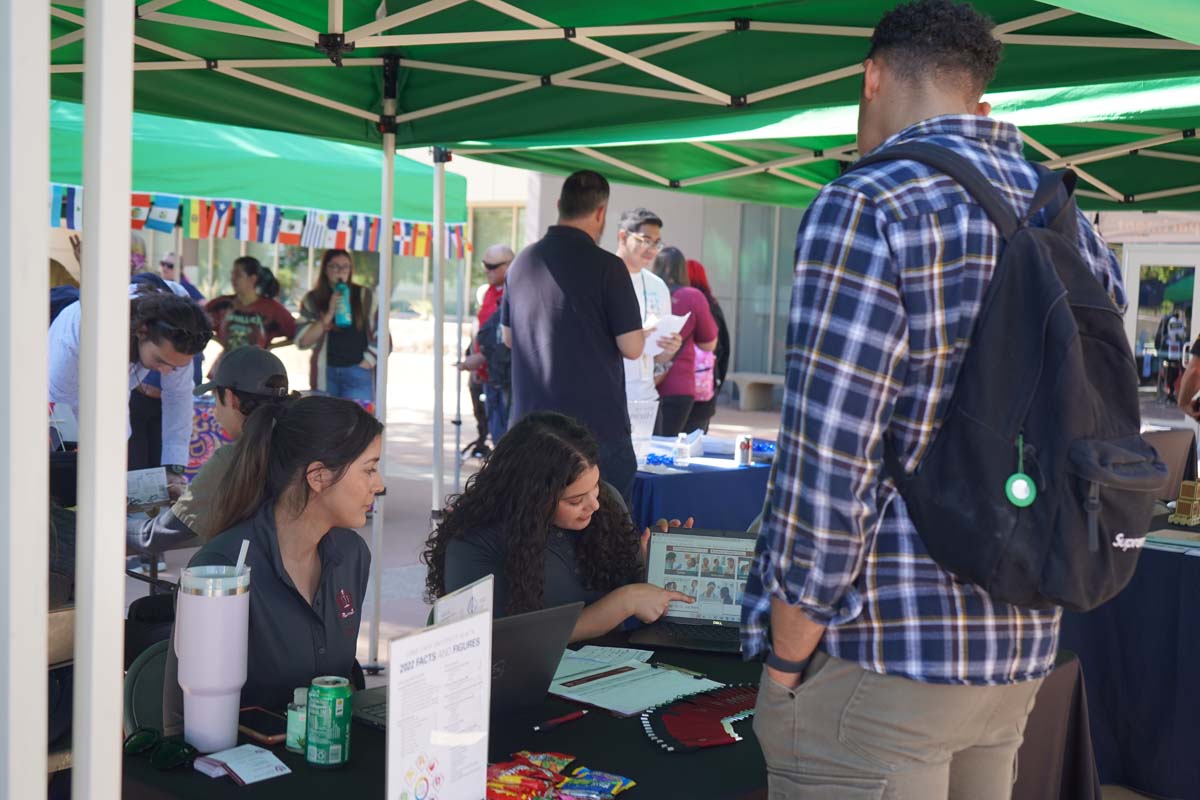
{"x": 526, "y": 650}
{"x": 711, "y": 566}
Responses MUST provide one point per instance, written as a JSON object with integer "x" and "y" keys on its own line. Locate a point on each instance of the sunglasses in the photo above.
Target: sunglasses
{"x": 164, "y": 752}
{"x": 196, "y": 338}
{"x": 490, "y": 267}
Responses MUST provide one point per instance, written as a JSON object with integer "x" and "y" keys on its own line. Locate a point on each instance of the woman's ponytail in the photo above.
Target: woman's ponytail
{"x": 242, "y": 488}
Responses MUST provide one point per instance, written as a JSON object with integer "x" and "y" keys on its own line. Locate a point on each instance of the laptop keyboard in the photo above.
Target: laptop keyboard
{"x": 710, "y": 633}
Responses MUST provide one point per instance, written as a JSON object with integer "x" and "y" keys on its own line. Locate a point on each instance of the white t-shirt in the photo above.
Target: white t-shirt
{"x": 654, "y": 300}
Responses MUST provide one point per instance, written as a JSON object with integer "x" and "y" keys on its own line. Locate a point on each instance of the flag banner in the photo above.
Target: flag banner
{"x": 219, "y": 218}
{"x": 422, "y": 240}
{"x": 402, "y": 238}
{"x": 291, "y": 228}
{"x": 245, "y": 226}
{"x": 194, "y": 218}
{"x": 455, "y": 242}
{"x": 163, "y": 213}
{"x": 139, "y": 210}
{"x": 315, "y": 228}
{"x": 337, "y": 234}
{"x": 57, "y": 193}
{"x": 268, "y": 224}
{"x": 73, "y": 214}
{"x": 364, "y": 233}
{"x": 373, "y": 235}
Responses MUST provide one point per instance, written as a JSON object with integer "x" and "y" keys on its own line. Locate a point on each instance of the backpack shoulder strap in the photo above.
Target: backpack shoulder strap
{"x": 961, "y": 170}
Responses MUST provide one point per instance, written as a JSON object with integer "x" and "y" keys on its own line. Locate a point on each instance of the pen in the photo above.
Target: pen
{"x": 554, "y": 723}
{"x": 674, "y": 668}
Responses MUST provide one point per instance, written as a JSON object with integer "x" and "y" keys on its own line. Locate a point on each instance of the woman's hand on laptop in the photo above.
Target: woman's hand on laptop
{"x": 661, "y": 526}
{"x": 648, "y": 602}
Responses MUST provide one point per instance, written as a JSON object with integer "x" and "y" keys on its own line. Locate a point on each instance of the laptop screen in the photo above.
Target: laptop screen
{"x": 710, "y": 567}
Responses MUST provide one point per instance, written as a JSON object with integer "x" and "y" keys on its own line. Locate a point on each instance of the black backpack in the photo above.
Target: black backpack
{"x": 1048, "y": 369}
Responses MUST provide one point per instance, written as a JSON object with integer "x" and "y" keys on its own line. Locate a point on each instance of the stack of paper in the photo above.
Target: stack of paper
{"x": 1174, "y": 541}
{"x": 590, "y": 657}
{"x": 246, "y": 764}
{"x": 629, "y": 687}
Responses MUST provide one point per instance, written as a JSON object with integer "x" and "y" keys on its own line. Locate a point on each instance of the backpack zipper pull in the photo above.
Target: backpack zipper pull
{"x": 1092, "y": 506}
{"x": 1020, "y": 488}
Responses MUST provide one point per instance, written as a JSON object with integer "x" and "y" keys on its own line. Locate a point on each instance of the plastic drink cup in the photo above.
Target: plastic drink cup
{"x": 212, "y": 621}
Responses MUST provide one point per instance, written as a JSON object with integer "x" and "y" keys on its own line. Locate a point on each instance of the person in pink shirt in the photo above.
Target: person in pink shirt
{"x": 677, "y": 387}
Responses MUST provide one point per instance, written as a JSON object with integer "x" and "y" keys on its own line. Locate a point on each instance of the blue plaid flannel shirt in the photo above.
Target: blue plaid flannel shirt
{"x": 891, "y": 266}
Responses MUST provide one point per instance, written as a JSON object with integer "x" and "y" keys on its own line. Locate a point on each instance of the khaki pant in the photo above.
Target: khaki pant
{"x": 850, "y": 734}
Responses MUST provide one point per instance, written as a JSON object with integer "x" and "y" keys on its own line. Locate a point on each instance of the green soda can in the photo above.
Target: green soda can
{"x": 329, "y": 714}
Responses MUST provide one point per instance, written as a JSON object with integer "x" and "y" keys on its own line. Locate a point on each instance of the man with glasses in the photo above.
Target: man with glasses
{"x": 489, "y": 360}
{"x": 639, "y": 240}
{"x": 165, "y": 332}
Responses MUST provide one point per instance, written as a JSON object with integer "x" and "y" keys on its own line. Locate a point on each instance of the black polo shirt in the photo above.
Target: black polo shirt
{"x": 292, "y": 642}
{"x": 566, "y": 301}
{"x": 480, "y": 552}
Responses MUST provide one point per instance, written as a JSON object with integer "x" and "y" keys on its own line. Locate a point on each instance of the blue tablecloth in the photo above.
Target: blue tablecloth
{"x": 1141, "y": 655}
{"x": 719, "y": 499}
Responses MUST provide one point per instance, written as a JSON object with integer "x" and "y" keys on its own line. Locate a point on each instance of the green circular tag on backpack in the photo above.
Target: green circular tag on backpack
{"x": 1020, "y": 490}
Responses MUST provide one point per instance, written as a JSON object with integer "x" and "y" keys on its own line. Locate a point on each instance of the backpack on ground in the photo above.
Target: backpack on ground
{"x": 1048, "y": 370}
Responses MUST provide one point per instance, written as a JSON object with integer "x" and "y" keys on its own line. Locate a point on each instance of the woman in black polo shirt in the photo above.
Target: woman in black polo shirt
{"x": 538, "y": 518}
{"x": 303, "y": 476}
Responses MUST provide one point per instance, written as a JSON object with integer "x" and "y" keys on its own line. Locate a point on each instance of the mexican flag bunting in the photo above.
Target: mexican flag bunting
{"x": 164, "y": 212}
{"x": 291, "y": 228}
{"x": 139, "y": 210}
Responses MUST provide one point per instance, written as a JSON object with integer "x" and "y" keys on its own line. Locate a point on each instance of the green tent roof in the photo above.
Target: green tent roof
{"x": 1067, "y": 122}
{"x": 485, "y": 69}
{"x": 197, "y": 159}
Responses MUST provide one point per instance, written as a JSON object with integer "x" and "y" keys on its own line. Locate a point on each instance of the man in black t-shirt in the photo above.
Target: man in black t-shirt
{"x": 570, "y": 316}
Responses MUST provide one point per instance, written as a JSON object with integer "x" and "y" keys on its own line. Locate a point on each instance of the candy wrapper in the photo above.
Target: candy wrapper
{"x": 587, "y": 784}
{"x": 555, "y": 762}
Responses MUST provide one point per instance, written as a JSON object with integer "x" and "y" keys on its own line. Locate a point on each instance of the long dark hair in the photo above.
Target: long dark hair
{"x": 671, "y": 266}
{"x": 518, "y": 490}
{"x": 322, "y": 293}
{"x": 265, "y": 283}
{"x": 280, "y": 441}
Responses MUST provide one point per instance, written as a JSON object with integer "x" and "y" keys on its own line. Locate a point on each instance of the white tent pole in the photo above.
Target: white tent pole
{"x": 1112, "y": 193}
{"x": 103, "y": 401}
{"x": 336, "y": 23}
{"x": 621, "y": 164}
{"x": 212, "y": 267}
{"x": 308, "y": 280}
{"x": 400, "y": 18}
{"x": 274, "y": 20}
{"x": 251, "y": 31}
{"x": 383, "y": 295}
{"x": 1110, "y": 152}
{"x": 458, "y": 376}
{"x": 425, "y": 280}
{"x": 24, "y": 476}
{"x": 439, "y": 314}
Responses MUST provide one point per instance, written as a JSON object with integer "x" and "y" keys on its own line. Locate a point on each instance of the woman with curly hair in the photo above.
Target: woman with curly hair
{"x": 538, "y": 518}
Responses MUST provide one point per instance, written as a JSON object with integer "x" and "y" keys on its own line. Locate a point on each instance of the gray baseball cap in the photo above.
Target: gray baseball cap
{"x": 249, "y": 369}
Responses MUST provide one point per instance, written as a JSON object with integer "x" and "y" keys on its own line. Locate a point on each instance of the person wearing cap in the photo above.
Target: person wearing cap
{"x": 169, "y": 268}
{"x": 489, "y": 359}
{"x": 246, "y": 378}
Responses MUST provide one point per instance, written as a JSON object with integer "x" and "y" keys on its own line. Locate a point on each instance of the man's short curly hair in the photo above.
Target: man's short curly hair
{"x": 939, "y": 39}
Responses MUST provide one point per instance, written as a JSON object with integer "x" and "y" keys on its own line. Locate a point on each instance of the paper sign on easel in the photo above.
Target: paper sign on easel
{"x": 439, "y": 694}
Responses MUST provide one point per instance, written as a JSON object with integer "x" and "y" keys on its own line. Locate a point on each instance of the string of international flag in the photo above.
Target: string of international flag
{"x": 245, "y": 221}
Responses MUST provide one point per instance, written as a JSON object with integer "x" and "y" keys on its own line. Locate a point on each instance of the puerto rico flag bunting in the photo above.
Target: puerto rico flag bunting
{"x": 163, "y": 213}
{"x": 268, "y": 224}
{"x": 139, "y": 210}
{"x": 57, "y": 193}
{"x": 291, "y": 228}
{"x": 245, "y": 225}
{"x": 219, "y": 218}
{"x": 73, "y": 210}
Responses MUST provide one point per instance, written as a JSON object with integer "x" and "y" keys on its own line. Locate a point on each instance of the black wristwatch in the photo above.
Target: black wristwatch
{"x": 776, "y": 661}
{"x": 174, "y": 469}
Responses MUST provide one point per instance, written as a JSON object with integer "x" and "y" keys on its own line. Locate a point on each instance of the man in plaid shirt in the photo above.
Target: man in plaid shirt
{"x": 886, "y": 676}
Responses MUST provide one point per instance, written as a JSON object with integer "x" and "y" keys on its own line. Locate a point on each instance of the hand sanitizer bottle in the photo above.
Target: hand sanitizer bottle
{"x": 683, "y": 453}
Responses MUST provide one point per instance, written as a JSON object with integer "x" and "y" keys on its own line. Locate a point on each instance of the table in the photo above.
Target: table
{"x": 1056, "y": 754}
{"x": 726, "y": 499}
{"x": 1140, "y": 653}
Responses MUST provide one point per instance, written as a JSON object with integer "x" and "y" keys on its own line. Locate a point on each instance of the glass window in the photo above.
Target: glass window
{"x": 789, "y": 224}
{"x": 754, "y": 288}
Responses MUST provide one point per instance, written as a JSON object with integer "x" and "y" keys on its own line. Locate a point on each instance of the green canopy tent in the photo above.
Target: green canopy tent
{"x": 1132, "y": 143}
{"x": 199, "y": 159}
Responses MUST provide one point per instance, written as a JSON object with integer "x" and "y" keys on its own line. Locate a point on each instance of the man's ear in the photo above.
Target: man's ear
{"x": 232, "y": 401}
{"x": 983, "y": 109}
{"x": 872, "y": 77}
